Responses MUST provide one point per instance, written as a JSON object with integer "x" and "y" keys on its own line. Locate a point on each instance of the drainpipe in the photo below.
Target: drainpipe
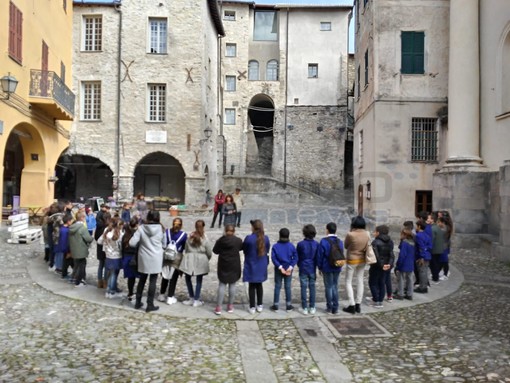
{"x": 285, "y": 106}
{"x": 117, "y": 137}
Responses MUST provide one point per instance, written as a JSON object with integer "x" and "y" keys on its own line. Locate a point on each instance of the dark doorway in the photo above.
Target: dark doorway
{"x": 360, "y": 200}
{"x": 423, "y": 201}
{"x": 13, "y": 165}
{"x": 259, "y": 158}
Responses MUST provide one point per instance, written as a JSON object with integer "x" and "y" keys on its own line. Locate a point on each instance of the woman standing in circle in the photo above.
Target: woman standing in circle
{"x": 229, "y": 211}
{"x": 151, "y": 240}
{"x": 141, "y": 207}
{"x": 355, "y": 243}
{"x": 129, "y": 255}
{"x": 219, "y": 200}
{"x": 256, "y": 260}
{"x": 195, "y": 262}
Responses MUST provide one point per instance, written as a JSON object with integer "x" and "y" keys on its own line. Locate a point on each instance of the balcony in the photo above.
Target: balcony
{"x": 49, "y": 93}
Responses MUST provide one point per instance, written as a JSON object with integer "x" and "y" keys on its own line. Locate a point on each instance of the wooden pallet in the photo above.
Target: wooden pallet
{"x": 21, "y": 232}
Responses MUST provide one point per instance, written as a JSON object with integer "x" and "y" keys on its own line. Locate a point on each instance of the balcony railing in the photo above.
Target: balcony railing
{"x": 47, "y": 85}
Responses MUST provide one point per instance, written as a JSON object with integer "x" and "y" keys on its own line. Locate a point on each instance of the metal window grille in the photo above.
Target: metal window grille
{"x": 230, "y": 116}
{"x": 366, "y": 67}
{"x": 229, "y": 15}
{"x": 158, "y": 37}
{"x": 231, "y": 50}
{"x": 253, "y": 70}
{"x": 157, "y": 102}
{"x": 230, "y": 83}
{"x": 93, "y": 33}
{"x": 424, "y": 140}
{"x": 91, "y": 101}
{"x": 272, "y": 70}
{"x": 313, "y": 70}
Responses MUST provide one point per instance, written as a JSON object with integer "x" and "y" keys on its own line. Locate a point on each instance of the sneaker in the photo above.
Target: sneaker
{"x": 398, "y": 297}
{"x": 312, "y": 310}
{"x": 230, "y": 308}
{"x": 389, "y": 298}
{"x": 131, "y": 297}
{"x": 198, "y": 303}
{"x": 217, "y": 310}
{"x": 273, "y": 308}
{"x": 259, "y": 308}
{"x": 408, "y": 297}
{"x": 251, "y": 310}
{"x": 71, "y": 281}
{"x": 369, "y": 300}
{"x": 80, "y": 285}
{"x": 171, "y": 300}
{"x": 161, "y": 298}
{"x": 305, "y": 310}
{"x": 443, "y": 278}
{"x": 421, "y": 291}
{"x": 290, "y": 308}
{"x": 107, "y": 295}
{"x": 378, "y": 305}
{"x": 188, "y": 302}
{"x": 51, "y": 268}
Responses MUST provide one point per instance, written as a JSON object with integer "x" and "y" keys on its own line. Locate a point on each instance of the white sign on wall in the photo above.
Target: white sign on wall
{"x": 155, "y": 137}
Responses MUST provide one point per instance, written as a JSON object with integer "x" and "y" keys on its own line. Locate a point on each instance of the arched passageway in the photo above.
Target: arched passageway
{"x": 259, "y": 156}
{"x": 82, "y": 176}
{"x": 160, "y": 175}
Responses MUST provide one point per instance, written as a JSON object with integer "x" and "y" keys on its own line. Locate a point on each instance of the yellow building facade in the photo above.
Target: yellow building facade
{"x": 35, "y": 51}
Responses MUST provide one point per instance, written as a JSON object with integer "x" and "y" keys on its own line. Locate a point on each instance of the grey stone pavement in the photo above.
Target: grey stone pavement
{"x": 53, "y": 332}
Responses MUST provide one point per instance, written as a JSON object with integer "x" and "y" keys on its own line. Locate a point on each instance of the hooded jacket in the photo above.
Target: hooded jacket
{"x": 79, "y": 240}
{"x": 150, "y": 239}
{"x": 383, "y": 248}
{"x": 229, "y": 259}
{"x": 405, "y": 261}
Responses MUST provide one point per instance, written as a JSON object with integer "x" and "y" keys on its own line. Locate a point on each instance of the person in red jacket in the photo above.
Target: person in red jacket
{"x": 219, "y": 200}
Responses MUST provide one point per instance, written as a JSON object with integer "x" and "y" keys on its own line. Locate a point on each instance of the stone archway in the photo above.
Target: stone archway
{"x": 160, "y": 175}
{"x": 259, "y": 154}
{"x": 25, "y": 174}
{"x": 81, "y": 176}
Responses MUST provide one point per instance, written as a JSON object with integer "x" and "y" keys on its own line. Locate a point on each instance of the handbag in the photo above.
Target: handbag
{"x": 370, "y": 257}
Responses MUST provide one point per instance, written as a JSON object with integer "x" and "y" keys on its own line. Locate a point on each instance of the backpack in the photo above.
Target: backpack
{"x": 336, "y": 256}
{"x": 171, "y": 252}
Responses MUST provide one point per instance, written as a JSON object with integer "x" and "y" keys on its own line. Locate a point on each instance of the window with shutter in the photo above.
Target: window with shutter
{"x": 413, "y": 52}
{"x": 15, "y": 33}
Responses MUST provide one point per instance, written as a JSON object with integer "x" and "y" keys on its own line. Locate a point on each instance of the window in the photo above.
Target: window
{"x": 423, "y": 201}
{"x": 272, "y": 70}
{"x": 93, "y": 39}
{"x": 230, "y": 83}
{"x": 15, "y": 33}
{"x": 358, "y": 82}
{"x": 253, "y": 70}
{"x": 230, "y": 116}
{"x": 158, "y": 36}
{"x": 313, "y": 70}
{"x": 366, "y": 68}
{"x": 413, "y": 52}
{"x": 424, "y": 140}
{"x": 266, "y": 26}
{"x": 157, "y": 102}
{"x": 325, "y": 25}
{"x": 91, "y": 100}
{"x": 360, "y": 148}
{"x": 229, "y": 15}
{"x": 231, "y": 50}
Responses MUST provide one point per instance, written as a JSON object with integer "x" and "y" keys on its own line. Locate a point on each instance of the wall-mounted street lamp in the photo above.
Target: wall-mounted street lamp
{"x": 369, "y": 190}
{"x": 8, "y": 84}
{"x": 207, "y": 134}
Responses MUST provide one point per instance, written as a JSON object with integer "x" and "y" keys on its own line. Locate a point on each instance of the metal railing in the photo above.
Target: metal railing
{"x": 47, "y": 84}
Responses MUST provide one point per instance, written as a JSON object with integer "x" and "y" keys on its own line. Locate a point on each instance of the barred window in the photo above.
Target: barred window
{"x": 91, "y": 101}
{"x": 157, "y": 102}
{"x": 158, "y": 36}
{"x": 93, "y": 33}
{"x": 424, "y": 140}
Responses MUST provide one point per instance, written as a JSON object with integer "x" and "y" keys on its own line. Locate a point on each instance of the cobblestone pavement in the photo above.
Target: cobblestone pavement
{"x": 46, "y": 337}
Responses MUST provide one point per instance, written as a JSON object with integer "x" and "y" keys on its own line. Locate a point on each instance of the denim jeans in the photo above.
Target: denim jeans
{"x": 287, "y": 279}
{"x": 101, "y": 271}
{"x": 331, "y": 289}
{"x": 376, "y": 282}
{"x": 59, "y": 260}
{"x": 307, "y": 282}
{"x": 198, "y": 288}
{"x": 112, "y": 280}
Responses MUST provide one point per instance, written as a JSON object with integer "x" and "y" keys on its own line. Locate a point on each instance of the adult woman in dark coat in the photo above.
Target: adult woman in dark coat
{"x": 229, "y": 266}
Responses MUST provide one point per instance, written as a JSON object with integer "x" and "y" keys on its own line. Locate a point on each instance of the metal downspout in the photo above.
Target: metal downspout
{"x": 285, "y": 106}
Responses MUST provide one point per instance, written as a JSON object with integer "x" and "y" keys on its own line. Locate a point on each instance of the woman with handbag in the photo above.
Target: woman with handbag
{"x": 356, "y": 243}
{"x": 195, "y": 262}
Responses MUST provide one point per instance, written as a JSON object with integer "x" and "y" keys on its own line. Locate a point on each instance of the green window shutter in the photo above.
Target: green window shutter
{"x": 413, "y": 52}
{"x": 419, "y": 52}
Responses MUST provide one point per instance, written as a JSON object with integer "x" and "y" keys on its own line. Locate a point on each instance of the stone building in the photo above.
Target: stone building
{"x": 433, "y": 113}
{"x": 36, "y": 45}
{"x": 146, "y": 79}
{"x": 284, "y": 82}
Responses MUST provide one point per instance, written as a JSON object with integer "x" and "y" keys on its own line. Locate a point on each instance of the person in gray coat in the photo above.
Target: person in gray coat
{"x": 195, "y": 262}
{"x": 79, "y": 241}
{"x": 150, "y": 240}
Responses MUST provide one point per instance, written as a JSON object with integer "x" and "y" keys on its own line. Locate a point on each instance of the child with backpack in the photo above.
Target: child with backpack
{"x": 307, "y": 251}
{"x": 330, "y": 249}
{"x": 284, "y": 258}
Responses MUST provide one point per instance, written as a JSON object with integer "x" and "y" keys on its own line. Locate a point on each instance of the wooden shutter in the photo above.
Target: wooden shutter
{"x": 407, "y": 52}
{"x": 413, "y": 52}
{"x": 419, "y": 52}
{"x": 12, "y": 29}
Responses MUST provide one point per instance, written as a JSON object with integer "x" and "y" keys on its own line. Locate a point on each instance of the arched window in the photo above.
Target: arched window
{"x": 253, "y": 70}
{"x": 272, "y": 70}
{"x": 505, "y": 83}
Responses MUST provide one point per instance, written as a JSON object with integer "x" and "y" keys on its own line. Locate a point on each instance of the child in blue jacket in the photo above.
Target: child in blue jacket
{"x": 423, "y": 255}
{"x": 284, "y": 258}
{"x": 307, "y": 251}
{"x": 405, "y": 265}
